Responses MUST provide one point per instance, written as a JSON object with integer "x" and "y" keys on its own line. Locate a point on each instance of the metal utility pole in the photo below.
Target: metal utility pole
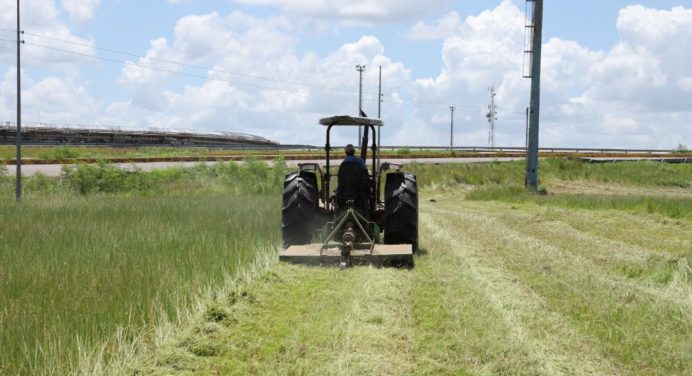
{"x": 492, "y": 116}
{"x": 536, "y": 26}
{"x": 360, "y": 69}
{"x": 451, "y": 128}
{"x": 18, "y": 137}
{"x": 379, "y": 116}
{"x": 526, "y": 131}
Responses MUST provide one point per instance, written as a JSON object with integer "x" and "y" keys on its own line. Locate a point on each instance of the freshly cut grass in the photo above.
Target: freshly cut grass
{"x": 75, "y": 270}
{"x": 498, "y": 288}
{"x": 640, "y": 322}
{"x": 297, "y": 320}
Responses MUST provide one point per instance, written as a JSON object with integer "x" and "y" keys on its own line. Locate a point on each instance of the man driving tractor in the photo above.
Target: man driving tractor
{"x": 351, "y": 157}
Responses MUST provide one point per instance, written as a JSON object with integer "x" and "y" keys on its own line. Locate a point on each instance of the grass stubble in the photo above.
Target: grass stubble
{"x": 505, "y": 283}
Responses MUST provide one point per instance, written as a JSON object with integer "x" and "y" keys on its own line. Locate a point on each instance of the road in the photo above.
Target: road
{"x": 54, "y": 169}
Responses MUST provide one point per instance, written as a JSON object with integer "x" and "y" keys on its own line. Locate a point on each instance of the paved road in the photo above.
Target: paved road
{"x": 54, "y": 169}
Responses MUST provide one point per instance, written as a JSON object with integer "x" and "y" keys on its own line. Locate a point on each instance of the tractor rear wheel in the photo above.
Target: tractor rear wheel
{"x": 401, "y": 209}
{"x": 299, "y": 207}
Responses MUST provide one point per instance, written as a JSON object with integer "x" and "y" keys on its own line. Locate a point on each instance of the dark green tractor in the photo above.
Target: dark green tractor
{"x": 341, "y": 219}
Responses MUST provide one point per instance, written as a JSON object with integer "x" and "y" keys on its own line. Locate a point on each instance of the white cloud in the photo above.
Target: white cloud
{"x": 285, "y": 108}
{"x": 81, "y": 10}
{"x": 43, "y": 28}
{"x": 353, "y": 11}
{"x": 632, "y": 95}
{"x": 54, "y": 99}
{"x": 447, "y": 26}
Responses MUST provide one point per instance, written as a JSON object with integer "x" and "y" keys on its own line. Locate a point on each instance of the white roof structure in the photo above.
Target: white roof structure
{"x": 346, "y": 120}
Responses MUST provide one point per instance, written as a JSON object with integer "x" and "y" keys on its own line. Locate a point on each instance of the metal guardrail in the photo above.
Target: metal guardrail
{"x": 497, "y": 149}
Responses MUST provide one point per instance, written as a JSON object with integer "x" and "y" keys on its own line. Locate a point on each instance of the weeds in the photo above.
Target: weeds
{"x": 103, "y": 250}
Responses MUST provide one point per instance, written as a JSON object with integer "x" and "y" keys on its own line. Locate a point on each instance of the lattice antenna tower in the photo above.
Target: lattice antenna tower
{"x": 492, "y": 117}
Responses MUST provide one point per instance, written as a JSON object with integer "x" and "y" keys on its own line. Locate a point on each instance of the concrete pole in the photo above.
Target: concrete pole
{"x": 531, "y": 179}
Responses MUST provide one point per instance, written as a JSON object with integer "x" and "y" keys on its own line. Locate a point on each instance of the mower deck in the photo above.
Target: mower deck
{"x": 397, "y": 255}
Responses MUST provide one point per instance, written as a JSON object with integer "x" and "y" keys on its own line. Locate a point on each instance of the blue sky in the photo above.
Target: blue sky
{"x": 613, "y": 76}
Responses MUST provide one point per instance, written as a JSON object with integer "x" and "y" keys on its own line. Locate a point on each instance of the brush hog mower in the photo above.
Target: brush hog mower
{"x": 345, "y": 226}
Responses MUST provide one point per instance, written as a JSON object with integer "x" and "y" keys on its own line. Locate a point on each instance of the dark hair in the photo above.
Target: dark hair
{"x": 351, "y": 152}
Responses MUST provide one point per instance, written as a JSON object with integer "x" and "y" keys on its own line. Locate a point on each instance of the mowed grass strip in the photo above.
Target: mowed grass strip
{"x": 75, "y": 271}
{"x": 497, "y": 289}
{"x": 483, "y": 320}
{"x": 640, "y": 323}
{"x": 297, "y": 320}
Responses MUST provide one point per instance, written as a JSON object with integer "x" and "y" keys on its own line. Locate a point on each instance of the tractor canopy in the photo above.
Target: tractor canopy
{"x": 346, "y": 120}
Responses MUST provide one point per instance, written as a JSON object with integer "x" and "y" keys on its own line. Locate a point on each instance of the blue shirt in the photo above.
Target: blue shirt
{"x": 353, "y": 158}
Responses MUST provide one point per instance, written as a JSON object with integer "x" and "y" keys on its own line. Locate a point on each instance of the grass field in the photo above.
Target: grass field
{"x": 111, "y": 272}
{"x": 548, "y": 285}
{"x": 92, "y": 263}
{"x": 498, "y": 288}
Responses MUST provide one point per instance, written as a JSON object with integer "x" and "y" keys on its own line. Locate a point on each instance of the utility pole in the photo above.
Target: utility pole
{"x": 451, "y": 129}
{"x": 492, "y": 116}
{"x": 360, "y": 69}
{"x": 526, "y": 131}
{"x": 18, "y": 137}
{"x": 379, "y": 116}
{"x": 536, "y": 26}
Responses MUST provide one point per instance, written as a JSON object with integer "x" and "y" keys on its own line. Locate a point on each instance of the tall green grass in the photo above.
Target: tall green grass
{"x": 503, "y": 181}
{"x": 643, "y": 173}
{"x": 672, "y": 207}
{"x": 102, "y": 251}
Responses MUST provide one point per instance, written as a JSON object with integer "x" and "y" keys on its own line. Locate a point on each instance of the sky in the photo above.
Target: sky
{"x": 615, "y": 74}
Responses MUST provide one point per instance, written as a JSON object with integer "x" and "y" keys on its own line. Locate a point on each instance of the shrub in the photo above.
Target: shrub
{"x": 681, "y": 149}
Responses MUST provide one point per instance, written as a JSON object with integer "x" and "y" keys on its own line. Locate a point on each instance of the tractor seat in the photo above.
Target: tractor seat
{"x": 353, "y": 186}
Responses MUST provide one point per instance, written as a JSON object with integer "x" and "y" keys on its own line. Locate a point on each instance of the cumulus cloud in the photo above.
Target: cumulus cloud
{"x": 280, "y": 95}
{"x": 636, "y": 92}
{"x": 44, "y": 28}
{"x": 80, "y": 10}
{"x": 631, "y": 95}
{"x": 243, "y": 73}
{"x": 60, "y": 99}
{"x": 353, "y": 11}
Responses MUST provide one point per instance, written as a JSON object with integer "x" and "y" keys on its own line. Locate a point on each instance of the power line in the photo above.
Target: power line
{"x": 183, "y": 64}
{"x": 371, "y": 98}
{"x": 171, "y": 71}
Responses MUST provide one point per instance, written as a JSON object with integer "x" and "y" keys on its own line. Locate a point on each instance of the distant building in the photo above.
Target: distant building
{"x": 52, "y": 134}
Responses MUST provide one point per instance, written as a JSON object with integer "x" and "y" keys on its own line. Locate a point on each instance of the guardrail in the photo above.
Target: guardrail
{"x": 278, "y": 147}
{"x": 496, "y": 149}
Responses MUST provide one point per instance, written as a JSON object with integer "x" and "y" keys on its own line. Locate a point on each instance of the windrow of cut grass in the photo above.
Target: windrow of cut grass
{"x": 94, "y": 262}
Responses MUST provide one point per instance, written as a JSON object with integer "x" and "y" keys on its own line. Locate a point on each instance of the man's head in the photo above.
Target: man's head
{"x": 350, "y": 150}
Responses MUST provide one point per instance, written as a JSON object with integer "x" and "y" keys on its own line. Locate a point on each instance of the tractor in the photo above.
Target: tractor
{"x": 344, "y": 226}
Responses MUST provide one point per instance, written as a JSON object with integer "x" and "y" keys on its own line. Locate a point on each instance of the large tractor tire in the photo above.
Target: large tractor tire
{"x": 401, "y": 209}
{"x": 299, "y": 208}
